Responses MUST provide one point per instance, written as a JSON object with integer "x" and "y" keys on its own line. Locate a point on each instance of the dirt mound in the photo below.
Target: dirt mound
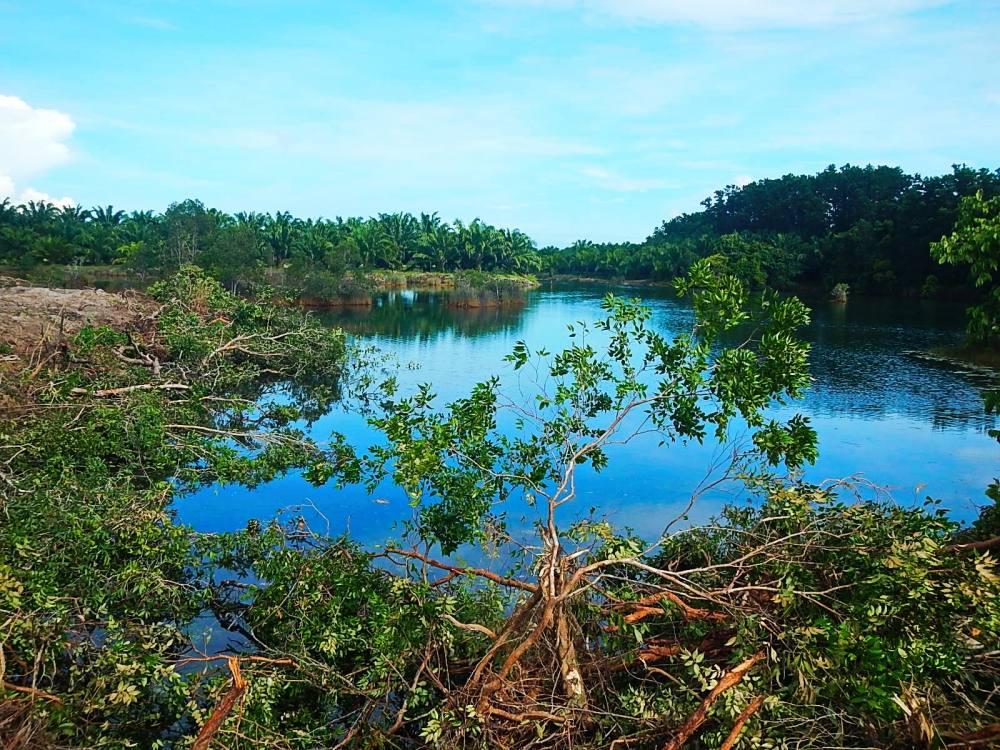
{"x": 34, "y": 318}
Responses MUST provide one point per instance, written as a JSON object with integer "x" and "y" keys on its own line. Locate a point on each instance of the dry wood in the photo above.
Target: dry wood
{"x": 976, "y": 546}
{"x": 696, "y": 719}
{"x": 734, "y": 734}
{"x": 33, "y": 692}
{"x": 480, "y": 572}
{"x": 523, "y": 716}
{"x": 474, "y": 627}
{"x": 208, "y": 731}
{"x": 106, "y": 392}
{"x": 985, "y": 737}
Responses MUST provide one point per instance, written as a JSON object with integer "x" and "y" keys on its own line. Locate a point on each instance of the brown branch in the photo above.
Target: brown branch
{"x": 104, "y": 393}
{"x": 487, "y": 574}
{"x": 696, "y": 719}
{"x": 644, "y": 610}
{"x": 474, "y": 627}
{"x": 224, "y": 707}
{"x": 656, "y": 652}
{"x": 227, "y": 657}
{"x": 734, "y": 734}
{"x": 985, "y": 736}
{"x": 33, "y": 692}
{"x": 525, "y": 715}
{"x": 977, "y": 546}
{"x": 401, "y": 714}
{"x": 514, "y": 622}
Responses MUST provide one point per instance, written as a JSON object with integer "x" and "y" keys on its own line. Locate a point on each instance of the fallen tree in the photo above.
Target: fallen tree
{"x": 809, "y": 616}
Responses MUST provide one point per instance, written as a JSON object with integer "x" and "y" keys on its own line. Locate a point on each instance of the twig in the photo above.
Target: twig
{"x": 487, "y": 574}
{"x": 977, "y": 546}
{"x": 34, "y": 692}
{"x": 472, "y": 626}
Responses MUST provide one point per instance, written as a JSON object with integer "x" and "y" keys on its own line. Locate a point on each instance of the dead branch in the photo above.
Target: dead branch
{"x": 734, "y": 734}
{"x": 208, "y": 731}
{"x": 984, "y": 737}
{"x": 227, "y": 657}
{"x": 106, "y": 392}
{"x": 480, "y": 572}
{"x": 696, "y": 719}
{"x": 474, "y": 627}
{"x": 524, "y": 716}
{"x": 642, "y": 610}
{"x": 976, "y": 546}
{"x": 33, "y": 692}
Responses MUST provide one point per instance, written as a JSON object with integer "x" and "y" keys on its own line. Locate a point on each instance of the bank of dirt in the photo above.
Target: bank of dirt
{"x": 35, "y": 319}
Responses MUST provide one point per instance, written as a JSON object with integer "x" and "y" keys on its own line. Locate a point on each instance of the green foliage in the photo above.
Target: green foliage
{"x": 860, "y": 607}
{"x": 867, "y": 226}
{"x": 857, "y": 623}
{"x": 976, "y": 243}
{"x": 457, "y": 464}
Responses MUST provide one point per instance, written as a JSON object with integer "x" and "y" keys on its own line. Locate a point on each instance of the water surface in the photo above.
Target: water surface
{"x": 908, "y": 425}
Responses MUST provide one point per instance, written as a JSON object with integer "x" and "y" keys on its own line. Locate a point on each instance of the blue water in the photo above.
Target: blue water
{"x": 914, "y": 428}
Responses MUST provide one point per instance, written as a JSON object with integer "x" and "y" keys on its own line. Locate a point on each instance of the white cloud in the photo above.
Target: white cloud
{"x": 410, "y": 143}
{"x": 739, "y": 14}
{"x": 32, "y": 141}
{"x": 30, "y": 194}
{"x": 612, "y": 180}
{"x": 151, "y": 22}
{"x": 741, "y": 180}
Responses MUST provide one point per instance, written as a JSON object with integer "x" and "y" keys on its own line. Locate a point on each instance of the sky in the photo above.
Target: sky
{"x": 568, "y": 119}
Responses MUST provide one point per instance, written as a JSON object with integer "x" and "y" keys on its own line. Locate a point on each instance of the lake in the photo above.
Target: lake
{"x": 908, "y": 425}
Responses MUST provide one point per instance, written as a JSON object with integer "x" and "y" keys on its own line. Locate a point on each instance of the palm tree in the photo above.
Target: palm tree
{"x": 39, "y": 212}
{"x": 439, "y": 246}
{"x": 402, "y": 232}
{"x": 374, "y": 247}
{"x": 280, "y": 232}
{"x": 107, "y": 216}
{"x": 523, "y": 253}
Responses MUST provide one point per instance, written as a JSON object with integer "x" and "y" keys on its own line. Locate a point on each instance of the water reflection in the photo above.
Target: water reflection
{"x": 913, "y": 426}
{"x": 409, "y": 314}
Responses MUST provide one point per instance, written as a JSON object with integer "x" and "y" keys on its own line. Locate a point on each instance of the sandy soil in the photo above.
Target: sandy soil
{"x": 34, "y": 318}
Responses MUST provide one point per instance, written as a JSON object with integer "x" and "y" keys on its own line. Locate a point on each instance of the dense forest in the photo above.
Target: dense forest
{"x": 869, "y": 227}
{"x": 238, "y": 247}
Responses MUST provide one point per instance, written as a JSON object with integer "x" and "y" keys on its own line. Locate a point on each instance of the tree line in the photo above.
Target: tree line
{"x": 869, "y": 227}
{"x": 234, "y": 247}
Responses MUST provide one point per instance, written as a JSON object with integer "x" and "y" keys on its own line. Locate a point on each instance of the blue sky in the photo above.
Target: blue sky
{"x": 566, "y": 118}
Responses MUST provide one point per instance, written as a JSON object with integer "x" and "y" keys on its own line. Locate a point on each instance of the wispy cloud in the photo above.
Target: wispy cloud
{"x": 611, "y": 180}
{"x": 738, "y": 14}
{"x": 152, "y": 22}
